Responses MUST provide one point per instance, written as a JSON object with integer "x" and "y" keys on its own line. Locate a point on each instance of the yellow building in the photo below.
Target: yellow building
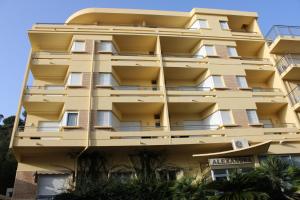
{"x": 204, "y": 88}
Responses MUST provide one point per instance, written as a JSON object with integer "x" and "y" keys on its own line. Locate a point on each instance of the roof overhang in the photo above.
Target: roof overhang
{"x": 259, "y": 148}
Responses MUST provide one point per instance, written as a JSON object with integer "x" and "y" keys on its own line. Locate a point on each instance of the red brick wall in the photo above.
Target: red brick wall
{"x": 25, "y": 187}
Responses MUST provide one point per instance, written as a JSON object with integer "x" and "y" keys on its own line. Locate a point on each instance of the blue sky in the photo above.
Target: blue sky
{"x": 17, "y": 16}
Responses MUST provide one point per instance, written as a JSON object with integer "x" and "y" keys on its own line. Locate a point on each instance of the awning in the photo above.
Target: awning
{"x": 251, "y": 150}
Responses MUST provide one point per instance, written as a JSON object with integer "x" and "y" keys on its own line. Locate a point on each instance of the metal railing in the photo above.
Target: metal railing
{"x": 256, "y": 89}
{"x": 187, "y": 88}
{"x": 194, "y": 127}
{"x": 116, "y": 25}
{"x": 47, "y": 87}
{"x": 282, "y": 30}
{"x": 286, "y": 61}
{"x": 138, "y": 128}
{"x": 254, "y": 58}
{"x": 294, "y": 95}
{"x": 174, "y": 55}
{"x": 131, "y": 87}
{"x": 281, "y": 125}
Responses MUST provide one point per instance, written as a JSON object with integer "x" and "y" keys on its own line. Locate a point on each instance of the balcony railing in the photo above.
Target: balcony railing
{"x": 266, "y": 90}
{"x": 282, "y": 125}
{"x": 187, "y": 88}
{"x": 294, "y": 95}
{"x": 132, "y": 87}
{"x": 138, "y": 128}
{"x": 286, "y": 61}
{"x": 194, "y": 127}
{"x": 282, "y": 30}
{"x": 48, "y": 87}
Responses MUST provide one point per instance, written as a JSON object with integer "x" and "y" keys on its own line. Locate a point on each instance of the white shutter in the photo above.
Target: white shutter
{"x": 106, "y": 46}
{"x": 106, "y": 79}
{"x": 232, "y": 52}
{"x": 49, "y": 185}
{"x": 78, "y": 46}
{"x": 252, "y": 117}
{"x": 224, "y": 25}
{"x": 217, "y": 81}
{"x": 75, "y": 79}
{"x": 226, "y": 117}
{"x": 48, "y": 126}
{"x": 104, "y": 118}
{"x": 203, "y": 23}
{"x": 242, "y": 82}
{"x": 210, "y": 50}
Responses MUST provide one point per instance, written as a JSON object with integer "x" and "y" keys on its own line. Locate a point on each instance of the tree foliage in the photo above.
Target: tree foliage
{"x": 8, "y": 164}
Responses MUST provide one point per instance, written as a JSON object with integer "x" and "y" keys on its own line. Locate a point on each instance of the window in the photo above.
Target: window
{"x": 217, "y": 81}
{"x": 78, "y": 46}
{"x": 50, "y": 185}
{"x": 210, "y": 50}
{"x": 200, "y": 23}
{"x": 106, "y": 118}
{"x": 206, "y": 50}
{"x": 252, "y": 117}
{"x": 167, "y": 174}
{"x": 106, "y": 47}
{"x": 106, "y": 79}
{"x": 219, "y": 174}
{"x": 70, "y": 119}
{"x": 242, "y": 82}
{"x": 224, "y": 25}
{"x": 121, "y": 176}
{"x": 232, "y": 51}
{"x": 49, "y": 126}
{"x": 226, "y": 117}
{"x": 75, "y": 79}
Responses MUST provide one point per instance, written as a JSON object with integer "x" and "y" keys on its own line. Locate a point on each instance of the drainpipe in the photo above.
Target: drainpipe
{"x": 89, "y": 112}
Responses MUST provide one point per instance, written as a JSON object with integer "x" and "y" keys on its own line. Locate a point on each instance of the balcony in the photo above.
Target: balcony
{"x": 289, "y": 67}
{"x": 294, "y": 97}
{"x": 244, "y": 27}
{"x": 274, "y": 116}
{"x": 284, "y": 39}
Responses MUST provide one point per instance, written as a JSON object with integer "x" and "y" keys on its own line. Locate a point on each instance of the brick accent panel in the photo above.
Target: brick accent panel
{"x": 89, "y": 46}
{"x": 222, "y": 51}
{"x": 25, "y": 187}
{"x": 230, "y": 82}
{"x": 86, "y": 79}
{"x": 240, "y": 117}
{"x": 83, "y": 119}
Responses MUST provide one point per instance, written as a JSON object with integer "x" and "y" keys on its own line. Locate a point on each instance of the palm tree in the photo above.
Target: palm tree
{"x": 187, "y": 188}
{"x": 282, "y": 178}
{"x": 238, "y": 187}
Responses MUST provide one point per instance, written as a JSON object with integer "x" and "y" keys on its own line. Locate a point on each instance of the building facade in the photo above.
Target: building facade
{"x": 204, "y": 89}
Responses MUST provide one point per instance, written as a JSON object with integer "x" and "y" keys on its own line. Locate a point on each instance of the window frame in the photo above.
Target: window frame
{"x": 249, "y": 120}
{"x": 227, "y": 28}
{"x": 235, "y": 51}
{"x": 73, "y": 47}
{"x": 232, "y": 122}
{"x": 65, "y": 118}
{"x": 113, "y": 47}
{"x": 69, "y": 81}
{"x": 238, "y": 82}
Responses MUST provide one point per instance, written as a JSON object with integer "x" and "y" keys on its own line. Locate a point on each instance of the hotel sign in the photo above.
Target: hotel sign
{"x": 230, "y": 161}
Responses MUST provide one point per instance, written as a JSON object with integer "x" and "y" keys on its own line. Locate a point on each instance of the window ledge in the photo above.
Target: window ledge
{"x": 79, "y": 51}
{"x": 248, "y": 88}
{"x": 103, "y": 127}
{"x": 257, "y": 124}
{"x": 74, "y": 86}
{"x": 229, "y": 125}
{"x": 235, "y": 57}
{"x": 71, "y": 127}
{"x": 104, "y": 86}
{"x": 221, "y": 88}
{"x": 212, "y": 56}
